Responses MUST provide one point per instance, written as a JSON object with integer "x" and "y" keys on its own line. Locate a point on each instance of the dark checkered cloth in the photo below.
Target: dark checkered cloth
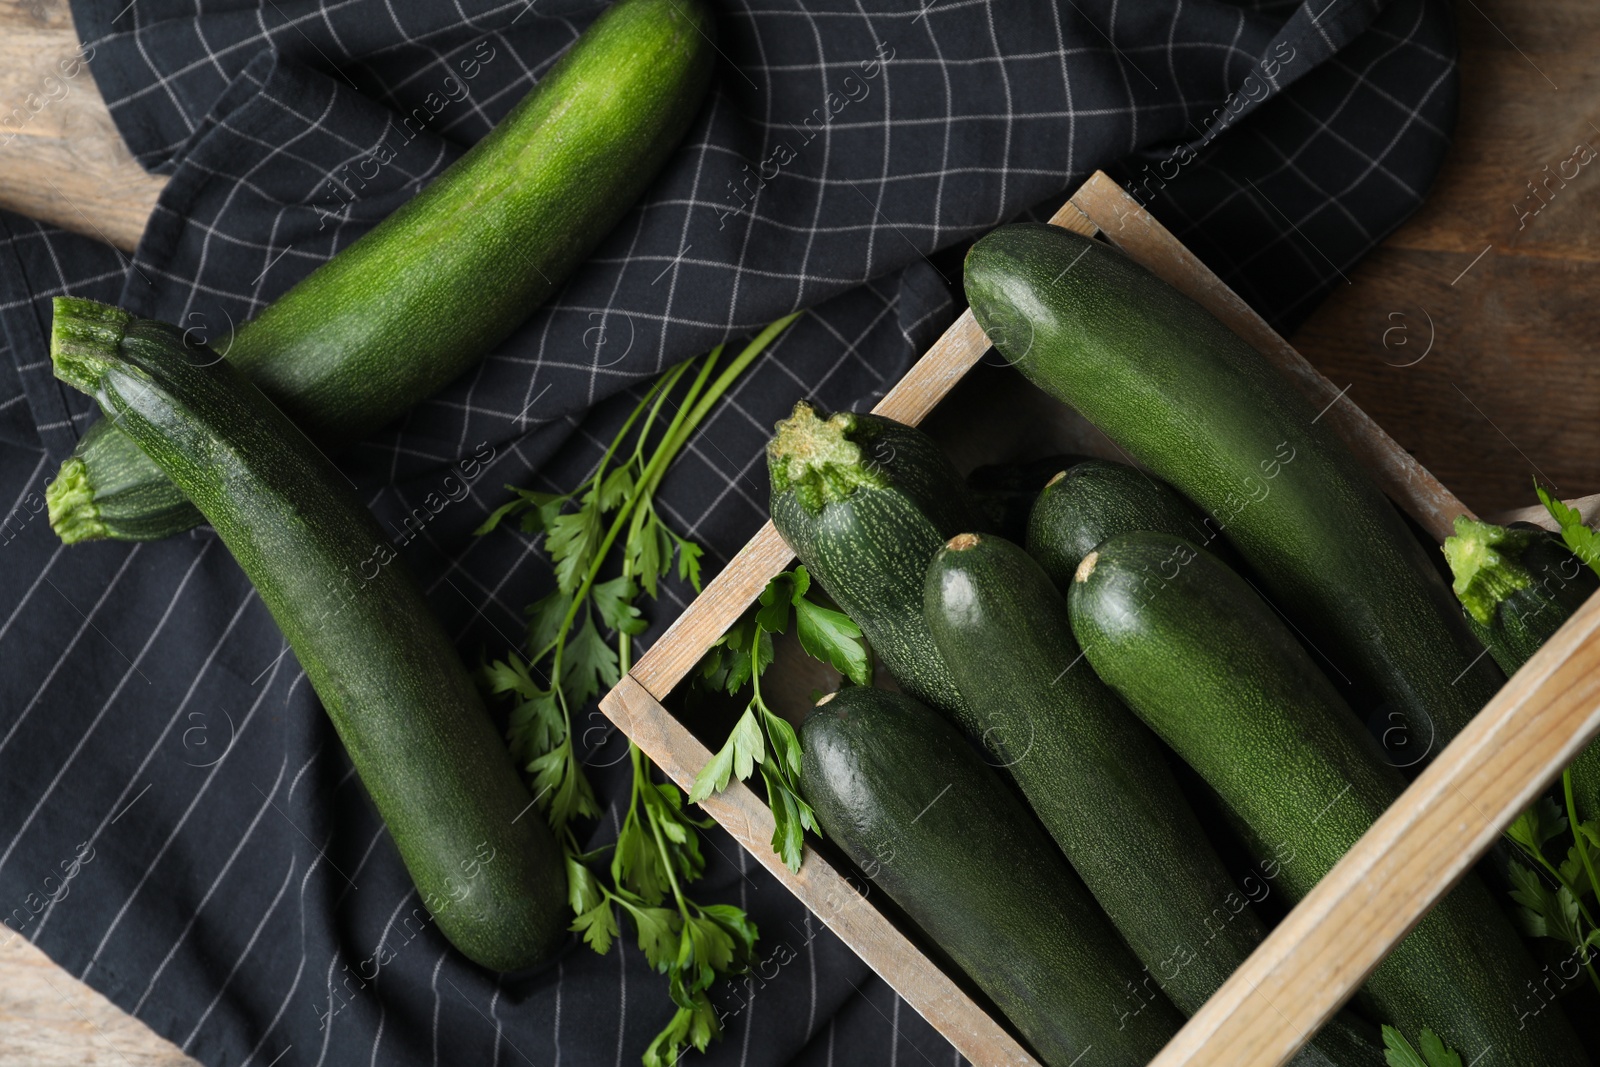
{"x": 238, "y": 884}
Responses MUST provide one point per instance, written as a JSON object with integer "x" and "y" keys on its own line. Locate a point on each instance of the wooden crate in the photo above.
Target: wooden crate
{"x": 1326, "y": 947}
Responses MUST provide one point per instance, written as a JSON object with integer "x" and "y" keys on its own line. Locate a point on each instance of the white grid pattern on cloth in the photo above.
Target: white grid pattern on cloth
{"x": 983, "y": 112}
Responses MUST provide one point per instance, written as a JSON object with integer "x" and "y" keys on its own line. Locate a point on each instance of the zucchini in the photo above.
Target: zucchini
{"x": 1005, "y": 492}
{"x": 1094, "y": 774}
{"x": 908, "y": 800}
{"x": 406, "y": 709}
{"x": 428, "y": 292}
{"x": 108, "y": 487}
{"x": 1089, "y": 501}
{"x": 1204, "y": 411}
{"x": 1209, "y": 665}
{"x": 1518, "y": 584}
{"x": 865, "y": 502}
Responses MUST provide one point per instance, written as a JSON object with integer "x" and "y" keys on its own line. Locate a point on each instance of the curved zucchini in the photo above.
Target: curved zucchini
{"x": 1205, "y": 412}
{"x": 1090, "y": 501}
{"x": 865, "y": 502}
{"x": 404, "y": 706}
{"x": 1209, "y": 665}
{"x": 429, "y": 291}
{"x": 1518, "y": 585}
{"x": 909, "y": 801}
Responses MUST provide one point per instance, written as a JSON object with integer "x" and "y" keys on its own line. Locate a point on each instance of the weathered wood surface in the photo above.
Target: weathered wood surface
{"x": 1511, "y": 386}
{"x": 49, "y": 1019}
{"x": 61, "y": 160}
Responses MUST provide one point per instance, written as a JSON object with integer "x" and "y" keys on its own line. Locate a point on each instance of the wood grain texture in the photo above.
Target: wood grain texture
{"x": 48, "y": 1019}
{"x": 61, "y": 159}
{"x": 1510, "y": 387}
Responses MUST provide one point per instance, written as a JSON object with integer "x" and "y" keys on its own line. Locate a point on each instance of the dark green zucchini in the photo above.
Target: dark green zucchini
{"x": 404, "y": 706}
{"x": 1095, "y": 775}
{"x": 865, "y": 502}
{"x": 913, "y": 805}
{"x": 1205, "y": 412}
{"x": 1518, "y": 584}
{"x": 108, "y": 487}
{"x": 1005, "y": 492}
{"x": 1090, "y": 501}
{"x": 1209, "y": 665}
{"x": 426, "y": 294}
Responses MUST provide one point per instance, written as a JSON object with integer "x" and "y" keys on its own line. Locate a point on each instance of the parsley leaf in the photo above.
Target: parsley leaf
{"x": 831, "y": 636}
{"x": 1542, "y": 822}
{"x": 598, "y": 926}
{"x": 614, "y": 600}
{"x": 1584, "y": 542}
{"x": 739, "y": 657}
{"x": 1398, "y": 1052}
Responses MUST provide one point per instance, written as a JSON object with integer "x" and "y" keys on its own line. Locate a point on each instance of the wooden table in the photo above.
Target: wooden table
{"x": 1466, "y": 335}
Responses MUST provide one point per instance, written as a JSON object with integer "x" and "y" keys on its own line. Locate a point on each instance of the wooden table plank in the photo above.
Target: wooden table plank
{"x": 1511, "y": 386}
{"x": 61, "y": 159}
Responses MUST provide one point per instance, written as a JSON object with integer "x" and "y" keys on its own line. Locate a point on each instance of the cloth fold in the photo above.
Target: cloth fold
{"x": 240, "y": 888}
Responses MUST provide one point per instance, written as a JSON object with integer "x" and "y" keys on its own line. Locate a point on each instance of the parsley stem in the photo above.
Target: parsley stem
{"x": 1588, "y": 866}
{"x": 641, "y": 773}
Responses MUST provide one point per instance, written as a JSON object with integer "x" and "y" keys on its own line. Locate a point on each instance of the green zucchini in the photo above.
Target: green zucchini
{"x": 1005, "y": 492}
{"x": 1094, "y": 774}
{"x": 913, "y": 805}
{"x": 1209, "y": 665}
{"x": 1205, "y": 412}
{"x": 1518, "y": 584}
{"x": 406, "y": 709}
{"x": 865, "y": 502}
{"x": 108, "y": 487}
{"x": 429, "y": 291}
{"x": 1089, "y": 501}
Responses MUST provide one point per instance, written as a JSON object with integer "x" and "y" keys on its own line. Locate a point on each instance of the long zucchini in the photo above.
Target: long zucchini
{"x": 1096, "y": 776}
{"x": 429, "y": 291}
{"x": 1518, "y": 584}
{"x": 1215, "y": 672}
{"x": 909, "y": 801}
{"x": 865, "y": 502}
{"x": 404, "y": 706}
{"x": 1190, "y": 400}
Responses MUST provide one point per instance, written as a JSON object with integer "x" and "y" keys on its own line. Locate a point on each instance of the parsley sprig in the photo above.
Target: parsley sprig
{"x": 761, "y": 737}
{"x": 1398, "y": 1052}
{"x": 580, "y": 642}
{"x": 1555, "y": 899}
{"x": 1584, "y": 542}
